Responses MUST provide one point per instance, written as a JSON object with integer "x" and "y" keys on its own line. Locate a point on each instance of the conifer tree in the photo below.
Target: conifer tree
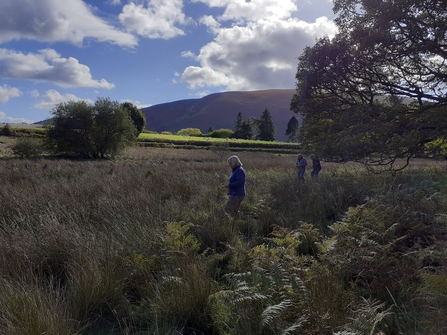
{"x": 266, "y": 127}
{"x": 242, "y": 128}
{"x": 238, "y": 126}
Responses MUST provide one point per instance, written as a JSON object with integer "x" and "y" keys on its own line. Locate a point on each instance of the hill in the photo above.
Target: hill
{"x": 219, "y": 110}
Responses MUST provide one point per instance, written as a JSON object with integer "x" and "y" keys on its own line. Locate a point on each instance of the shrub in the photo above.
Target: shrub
{"x": 27, "y": 147}
{"x": 6, "y": 130}
{"x": 190, "y": 132}
{"x": 222, "y": 133}
{"x": 166, "y": 133}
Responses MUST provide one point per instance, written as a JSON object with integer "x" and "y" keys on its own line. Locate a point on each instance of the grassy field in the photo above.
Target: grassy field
{"x": 217, "y": 144}
{"x": 173, "y": 138}
{"x": 141, "y": 245}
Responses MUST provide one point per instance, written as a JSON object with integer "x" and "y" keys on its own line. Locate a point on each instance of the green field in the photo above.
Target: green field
{"x": 174, "y": 138}
{"x": 162, "y": 140}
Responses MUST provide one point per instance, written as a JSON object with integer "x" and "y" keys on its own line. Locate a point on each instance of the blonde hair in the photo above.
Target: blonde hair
{"x": 235, "y": 161}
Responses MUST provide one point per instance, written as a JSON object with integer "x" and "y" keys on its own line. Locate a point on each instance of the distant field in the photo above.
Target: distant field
{"x": 22, "y": 125}
{"x": 155, "y": 137}
{"x": 178, "y": 141}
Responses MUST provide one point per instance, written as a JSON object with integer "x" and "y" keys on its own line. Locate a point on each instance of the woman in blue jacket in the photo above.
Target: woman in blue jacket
{"x": 236, "y": 186}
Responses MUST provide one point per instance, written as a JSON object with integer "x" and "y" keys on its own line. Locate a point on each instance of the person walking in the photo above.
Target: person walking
{"x": 236, "y": 186}
{"x": 301, "y": 164}
{"x": 316, "y": 166}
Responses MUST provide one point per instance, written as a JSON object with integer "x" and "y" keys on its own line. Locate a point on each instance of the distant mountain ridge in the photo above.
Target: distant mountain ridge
{"x": 219, "y": 110}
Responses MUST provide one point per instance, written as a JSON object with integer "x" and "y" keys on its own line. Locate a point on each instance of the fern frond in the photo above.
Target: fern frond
{"x": 295, "y": 327}
{"x": 251, "y": 298}
{"x": 273, "y": 312}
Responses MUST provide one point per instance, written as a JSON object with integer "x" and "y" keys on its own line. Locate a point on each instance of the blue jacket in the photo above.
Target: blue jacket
{"x": 301, "y": 164}
{"x": 236, "y": 182}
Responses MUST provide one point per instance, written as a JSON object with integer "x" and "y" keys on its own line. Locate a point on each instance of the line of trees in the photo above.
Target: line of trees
{"x": 261, "y": 128}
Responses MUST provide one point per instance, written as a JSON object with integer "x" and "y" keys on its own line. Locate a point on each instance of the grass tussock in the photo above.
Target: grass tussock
{"x": 142, "y": 245}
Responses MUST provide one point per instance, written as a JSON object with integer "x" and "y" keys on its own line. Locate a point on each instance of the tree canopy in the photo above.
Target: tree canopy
{"x": 292, "y": 129}
{"x": 242, "y": 128}
{"x": 265, "y": 126}
{"x": 136, "y": 115}
{"x": 376, "y": 92}
{"x": 91, "y": 131}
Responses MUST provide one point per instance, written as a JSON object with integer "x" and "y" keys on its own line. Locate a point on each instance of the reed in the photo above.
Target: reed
{"x": 141, "y": 245}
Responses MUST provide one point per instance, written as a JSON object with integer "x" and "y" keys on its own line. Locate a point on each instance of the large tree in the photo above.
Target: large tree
{"x": 376, "y": 91}
{"x": 265, "y": 126}
{"x": 91, "y": 131}
{"x": 292, "y": 129}
{"x": 242, "y": 128}
{"x": 136, "y": 115}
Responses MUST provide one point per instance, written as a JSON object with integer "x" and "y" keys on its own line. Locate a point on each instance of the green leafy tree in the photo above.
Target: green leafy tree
{"x": 136, "y": 115}
{"x": 266, "y": 127}
{"x": 72, "y": 129}
{"x": 97, "y": 131}
{"x": 376, "y": 91}
{"x": 113, "y": 128}
{"x": 292, "y": 129}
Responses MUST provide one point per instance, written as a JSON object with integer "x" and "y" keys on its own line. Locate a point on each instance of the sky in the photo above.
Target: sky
{"x": 148, "y": 52}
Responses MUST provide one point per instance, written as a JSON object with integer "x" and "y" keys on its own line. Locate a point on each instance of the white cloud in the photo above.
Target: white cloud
{"x": 205, "y": 76}
{"x": 52, "y": 97}
{"x": 242, "y": 10}
{"x": 188, "y": 54}
{"x": 260, "y": 55}
{"x": 158, "y": 19}
{"x": 202, "y": 94}
{"x": 35, "y": 93}
{"x": 8, "y": 119}
{"x": 259, "y": 10}
{"x": 7, "y": 93}
{"x": 136, "y": 103}
{"x": 210, "y": 22}
{"x": 56, "y": 20}
{"x": 48, "y": 66}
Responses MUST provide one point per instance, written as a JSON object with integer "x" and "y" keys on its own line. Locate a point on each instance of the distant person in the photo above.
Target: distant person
{"x": 301, "y": 164}
{"x": 316, "y": 166}
{"x": 236, "y": 186}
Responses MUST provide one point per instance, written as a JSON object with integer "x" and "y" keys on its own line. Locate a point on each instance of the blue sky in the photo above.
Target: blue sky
{"x": 148, "y": 51}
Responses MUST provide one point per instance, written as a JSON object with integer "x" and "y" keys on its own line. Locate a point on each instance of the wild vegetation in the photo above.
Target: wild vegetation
{"x": 141, "y": 245}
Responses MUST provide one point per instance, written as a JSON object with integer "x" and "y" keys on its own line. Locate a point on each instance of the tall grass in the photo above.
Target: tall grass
{"x": 142, "y": 245}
